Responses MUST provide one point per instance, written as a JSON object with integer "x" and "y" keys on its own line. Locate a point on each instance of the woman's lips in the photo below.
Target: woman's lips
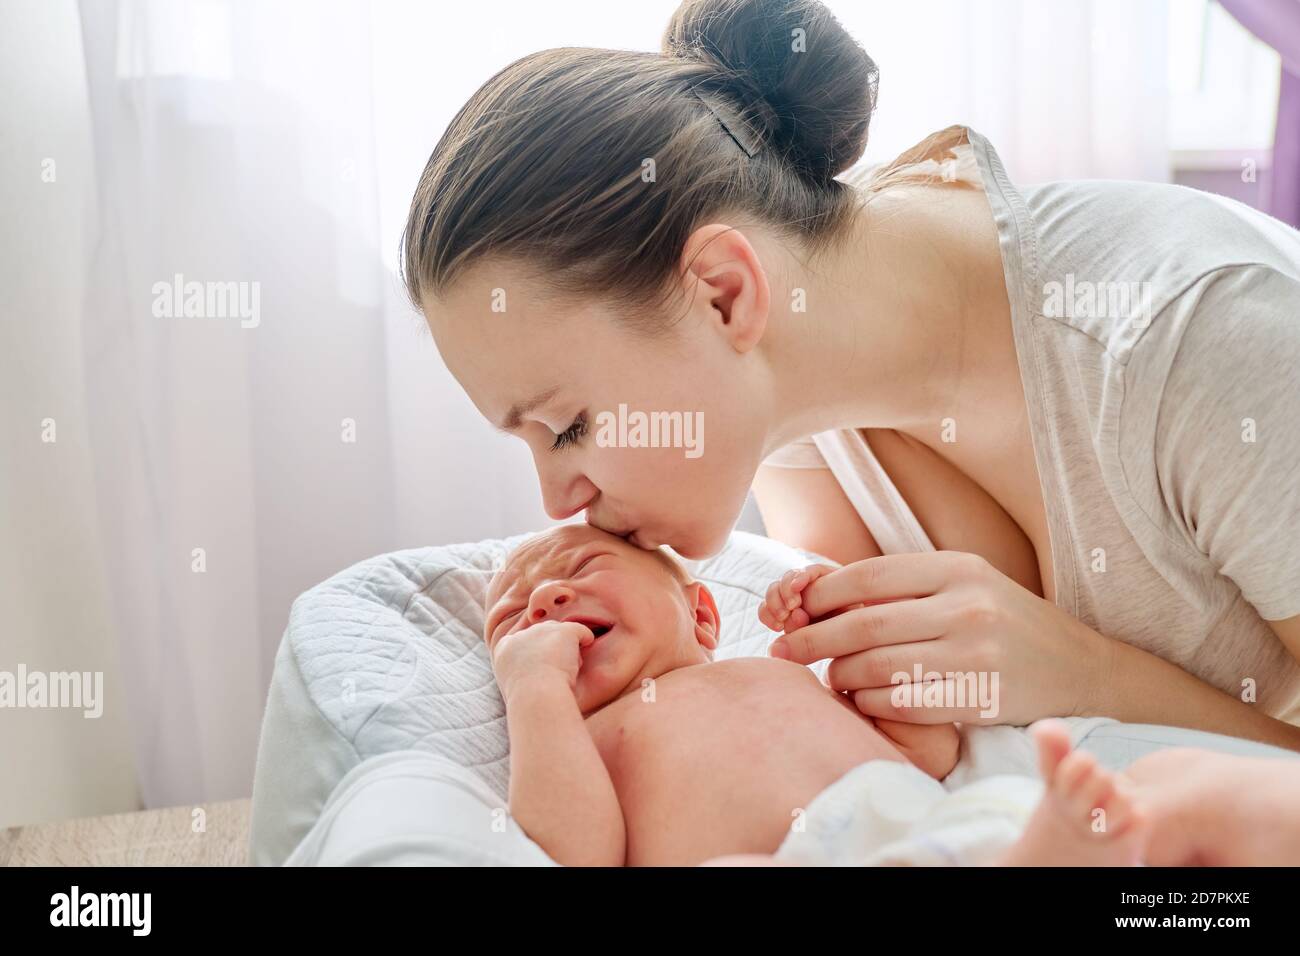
{"x": 639, "y": 539}
{"x": 621, "y": 532}
{"x": 633, "y": 536}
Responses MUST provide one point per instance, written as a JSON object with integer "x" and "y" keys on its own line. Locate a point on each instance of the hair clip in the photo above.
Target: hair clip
{"x": 749, "y": 151}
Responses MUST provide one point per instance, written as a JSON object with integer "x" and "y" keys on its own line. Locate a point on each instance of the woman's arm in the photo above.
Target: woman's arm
{"x": 1226, "y": 446}
{"x": 1138, "y": 687}
{"x": 954, "y": 614}
{"x": 1288, "y": 632}
{"x": 806, "y": 508}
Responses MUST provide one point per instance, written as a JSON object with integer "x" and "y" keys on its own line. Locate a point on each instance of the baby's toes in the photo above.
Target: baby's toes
{"x": 1092, "y": 797}
{"x": 1052, "y": 737}
{"x": 1072, "y": 774}
{"x": 1122, "y": 811}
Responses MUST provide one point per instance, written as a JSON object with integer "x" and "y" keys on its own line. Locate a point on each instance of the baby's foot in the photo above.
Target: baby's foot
{"x": 782, "y": 609}
{"x": 1216, "y": 809}
{"x": 1087, "y": 816}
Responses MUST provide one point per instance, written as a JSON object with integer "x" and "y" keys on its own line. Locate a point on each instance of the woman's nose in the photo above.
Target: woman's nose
{"x": 563, "y": 494}
{"x": 549, "y": 600}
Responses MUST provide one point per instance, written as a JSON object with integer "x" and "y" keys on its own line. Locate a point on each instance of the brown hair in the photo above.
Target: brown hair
{"x": 543, "y": 166}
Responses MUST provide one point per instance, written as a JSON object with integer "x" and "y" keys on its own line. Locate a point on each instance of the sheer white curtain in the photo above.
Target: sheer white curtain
{"x": 1066, "y": 89}
{"x": 231, "y": 144}
{"x": 234, "y": 461}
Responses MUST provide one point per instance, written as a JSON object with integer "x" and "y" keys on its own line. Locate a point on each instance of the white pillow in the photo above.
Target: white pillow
{"x": 388, "y": 656}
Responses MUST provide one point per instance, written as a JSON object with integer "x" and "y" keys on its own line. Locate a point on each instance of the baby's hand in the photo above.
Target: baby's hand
{"x": 548, "y": 650}
{"x": 933, "y": 748}
{"x": 783, "y": 610}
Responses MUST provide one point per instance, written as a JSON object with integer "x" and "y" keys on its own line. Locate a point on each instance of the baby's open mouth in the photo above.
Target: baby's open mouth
{"x": 598, "y": 628}
{"x": 598, "y": 631}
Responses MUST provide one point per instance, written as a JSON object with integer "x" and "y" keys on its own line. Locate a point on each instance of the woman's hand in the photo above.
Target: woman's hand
{"x": 1004, "y": 655}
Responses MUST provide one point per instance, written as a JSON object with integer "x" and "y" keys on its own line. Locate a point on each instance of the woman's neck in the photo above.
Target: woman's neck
{"x": 895, "y": 330}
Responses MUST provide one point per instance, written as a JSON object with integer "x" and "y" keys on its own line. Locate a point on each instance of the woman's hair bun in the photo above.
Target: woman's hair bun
{"x": 792, "y": 68}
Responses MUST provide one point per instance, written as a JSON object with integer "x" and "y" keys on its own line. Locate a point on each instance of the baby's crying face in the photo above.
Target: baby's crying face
{"x": 647, "y": 616}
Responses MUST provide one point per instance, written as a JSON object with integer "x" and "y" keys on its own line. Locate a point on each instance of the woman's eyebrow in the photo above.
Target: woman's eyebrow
{"x": 515, "y": 417}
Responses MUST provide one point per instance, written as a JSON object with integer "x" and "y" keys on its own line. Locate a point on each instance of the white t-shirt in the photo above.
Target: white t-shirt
{"x": 1157, "y": 330}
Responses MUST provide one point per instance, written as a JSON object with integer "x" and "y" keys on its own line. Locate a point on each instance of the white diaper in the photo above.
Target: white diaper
{"x": 888, "y": 813}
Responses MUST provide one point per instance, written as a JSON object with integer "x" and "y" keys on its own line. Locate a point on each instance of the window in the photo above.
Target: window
{"x": 1223, "y": 83}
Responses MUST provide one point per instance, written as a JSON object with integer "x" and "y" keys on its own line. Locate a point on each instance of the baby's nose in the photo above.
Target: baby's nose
{"x": 548, "y": 599}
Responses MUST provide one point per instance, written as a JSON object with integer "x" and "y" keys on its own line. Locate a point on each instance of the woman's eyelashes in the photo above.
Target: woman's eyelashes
{"x": 572, "y": 434}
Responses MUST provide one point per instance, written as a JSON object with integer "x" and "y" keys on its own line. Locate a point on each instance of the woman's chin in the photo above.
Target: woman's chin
{"x": 700, "y": 545}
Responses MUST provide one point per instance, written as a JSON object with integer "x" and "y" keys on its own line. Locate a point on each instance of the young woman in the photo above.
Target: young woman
{"x": 1066, "y": 415}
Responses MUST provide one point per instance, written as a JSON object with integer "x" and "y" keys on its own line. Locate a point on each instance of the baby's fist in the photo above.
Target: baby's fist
{"x": 548, "y": 650}
{"x": 782, "y": 609}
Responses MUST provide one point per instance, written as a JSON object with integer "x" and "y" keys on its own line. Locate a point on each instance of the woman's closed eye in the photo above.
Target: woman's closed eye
{"x": 572, "y": 434}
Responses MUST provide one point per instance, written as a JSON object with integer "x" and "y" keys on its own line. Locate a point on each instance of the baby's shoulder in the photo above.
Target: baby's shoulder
{"x": 742, "y": 673}
{"x": 759, "y": 666}
{"x": 730, "y": 678}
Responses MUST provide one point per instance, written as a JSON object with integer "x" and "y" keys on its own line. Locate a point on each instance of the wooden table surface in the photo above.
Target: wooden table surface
{"x": 175, "y": 836}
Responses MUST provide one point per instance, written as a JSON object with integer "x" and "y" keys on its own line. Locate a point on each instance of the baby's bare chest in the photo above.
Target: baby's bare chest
{"x": 720, "y": 758}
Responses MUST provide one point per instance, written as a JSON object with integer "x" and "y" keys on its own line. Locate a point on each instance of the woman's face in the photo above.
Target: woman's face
{"x": 557, "y": 376}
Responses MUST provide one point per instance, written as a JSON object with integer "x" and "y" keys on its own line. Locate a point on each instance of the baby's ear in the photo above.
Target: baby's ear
{"x": 708, "y": 623}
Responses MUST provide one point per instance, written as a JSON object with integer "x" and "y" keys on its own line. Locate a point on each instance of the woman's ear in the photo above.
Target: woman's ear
{"x": 708, "y": 623}
{"x": 722, "y": 274}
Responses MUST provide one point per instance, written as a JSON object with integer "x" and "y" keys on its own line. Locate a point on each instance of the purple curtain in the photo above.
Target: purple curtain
{"x": 1277, "y": 23}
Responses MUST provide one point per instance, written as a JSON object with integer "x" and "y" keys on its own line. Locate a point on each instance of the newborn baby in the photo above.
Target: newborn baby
{"x": 629, "y": 745}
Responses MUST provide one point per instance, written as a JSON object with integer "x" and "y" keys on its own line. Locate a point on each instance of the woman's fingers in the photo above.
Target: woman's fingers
{"x": 950, "y": 700}
{"x": 887, "y": 665}
{"x": 898, "y": 622}
{"x": 889, "y": 578}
